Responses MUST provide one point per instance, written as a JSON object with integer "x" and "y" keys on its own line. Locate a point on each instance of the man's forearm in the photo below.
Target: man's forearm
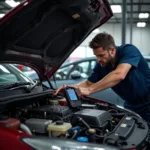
{"x": 86, "y": 88}
{"x": 84, "y": 84}
{"x": 107, "y": 82}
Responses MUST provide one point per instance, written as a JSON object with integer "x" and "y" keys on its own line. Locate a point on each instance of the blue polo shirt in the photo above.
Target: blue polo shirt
{"x": 136, "y": 85}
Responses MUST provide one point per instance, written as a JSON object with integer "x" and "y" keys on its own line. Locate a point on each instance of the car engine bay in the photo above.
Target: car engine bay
{"x": 87, "y": 121}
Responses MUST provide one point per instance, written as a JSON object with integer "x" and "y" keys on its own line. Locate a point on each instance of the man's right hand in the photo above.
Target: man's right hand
{"x": 63, "y": 87}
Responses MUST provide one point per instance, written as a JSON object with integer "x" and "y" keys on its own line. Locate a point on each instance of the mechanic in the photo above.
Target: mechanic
{"x": 121, "y": 68}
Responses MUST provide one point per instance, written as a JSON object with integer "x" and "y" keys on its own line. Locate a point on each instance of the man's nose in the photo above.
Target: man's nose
{"x": 98, "y": 59}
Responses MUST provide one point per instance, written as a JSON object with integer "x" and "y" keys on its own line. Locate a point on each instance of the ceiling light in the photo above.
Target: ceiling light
{"x": 116, "y": 8}
{"x": 96, "y": 31}
{"x": 143, "y": 15}
{"x": 141, "y": 24}
{"x": 2, "y": 15}
{"x": 12, "y": 3}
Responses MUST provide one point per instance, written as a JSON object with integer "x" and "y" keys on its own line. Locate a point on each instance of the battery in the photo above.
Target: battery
{"x": 38, "y": 125}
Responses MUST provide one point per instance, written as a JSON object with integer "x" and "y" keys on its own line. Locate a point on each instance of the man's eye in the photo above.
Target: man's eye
{"x": 101, "y": 55}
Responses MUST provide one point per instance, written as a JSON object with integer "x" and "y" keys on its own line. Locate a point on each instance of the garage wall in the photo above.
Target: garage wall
{"x": 141, "y": 36}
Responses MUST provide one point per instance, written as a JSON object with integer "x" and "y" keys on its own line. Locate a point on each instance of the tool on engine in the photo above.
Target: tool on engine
{"x": 72, "y": 98}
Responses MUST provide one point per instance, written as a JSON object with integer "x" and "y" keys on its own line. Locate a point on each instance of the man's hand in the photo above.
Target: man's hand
{"x": 81, "y": 88}
{"x": 83, "y": 91}
{"x": 63, "y": 87}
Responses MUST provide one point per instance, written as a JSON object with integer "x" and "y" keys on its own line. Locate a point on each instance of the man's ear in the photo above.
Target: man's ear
{"x": 112, "y": 50}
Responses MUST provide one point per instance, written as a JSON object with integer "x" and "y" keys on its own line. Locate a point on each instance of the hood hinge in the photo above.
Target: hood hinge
{"x": 47, "y": 70}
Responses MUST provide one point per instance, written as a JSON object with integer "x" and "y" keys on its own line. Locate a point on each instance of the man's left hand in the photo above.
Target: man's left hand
{"x": 83, "y": 91}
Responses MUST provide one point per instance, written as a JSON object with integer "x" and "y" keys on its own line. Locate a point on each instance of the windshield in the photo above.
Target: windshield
{"x": 10, "y": 74}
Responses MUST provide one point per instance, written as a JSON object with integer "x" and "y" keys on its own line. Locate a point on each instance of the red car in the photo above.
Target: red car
{"x": 42, "y": 34}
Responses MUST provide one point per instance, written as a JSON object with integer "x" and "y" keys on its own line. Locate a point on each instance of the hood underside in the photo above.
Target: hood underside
{"x": 43, "y": 33}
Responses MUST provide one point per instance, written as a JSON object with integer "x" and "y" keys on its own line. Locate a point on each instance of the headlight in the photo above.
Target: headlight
{"x": 57, "y": 144}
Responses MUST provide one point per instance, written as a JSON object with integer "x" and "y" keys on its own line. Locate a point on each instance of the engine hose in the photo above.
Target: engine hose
{"x": 74, "y": 134}
{"x": 24, "y": 128}
{"x": 81, "y": 120}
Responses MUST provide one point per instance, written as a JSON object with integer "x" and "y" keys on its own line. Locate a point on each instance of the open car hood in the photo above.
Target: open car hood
{"x": 43, "y": 33}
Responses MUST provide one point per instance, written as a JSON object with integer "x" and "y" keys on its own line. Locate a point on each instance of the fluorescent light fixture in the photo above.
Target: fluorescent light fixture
{"x": 96, "y": 31}
{"x": 116, "y": 8}
{"x": 143, "y": 15}
{"x": 141, "y": 24}
{"x": 2, "y": 15}
{"x": 12, "y": 3}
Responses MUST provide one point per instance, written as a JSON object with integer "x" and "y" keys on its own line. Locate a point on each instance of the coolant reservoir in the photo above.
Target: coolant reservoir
{"x": 57, "y": 128}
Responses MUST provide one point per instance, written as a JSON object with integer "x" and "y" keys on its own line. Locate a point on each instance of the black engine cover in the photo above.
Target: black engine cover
{"x": 47, "y": 111}
{"x": 93, "y": 117}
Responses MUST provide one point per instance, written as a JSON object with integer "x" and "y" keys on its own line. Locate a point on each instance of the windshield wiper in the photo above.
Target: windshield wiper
{"x": 14, "y": 85}
{"x": 30, "y": 88}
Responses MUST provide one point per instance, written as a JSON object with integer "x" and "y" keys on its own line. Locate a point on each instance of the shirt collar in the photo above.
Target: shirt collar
{"x": 117, "y": 54}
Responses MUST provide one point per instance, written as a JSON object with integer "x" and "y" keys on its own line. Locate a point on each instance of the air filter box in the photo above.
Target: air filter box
{"x": 93, "y": 117}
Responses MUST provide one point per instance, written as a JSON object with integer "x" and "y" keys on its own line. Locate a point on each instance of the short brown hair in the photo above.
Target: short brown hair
{"x": 103, "y": 40}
